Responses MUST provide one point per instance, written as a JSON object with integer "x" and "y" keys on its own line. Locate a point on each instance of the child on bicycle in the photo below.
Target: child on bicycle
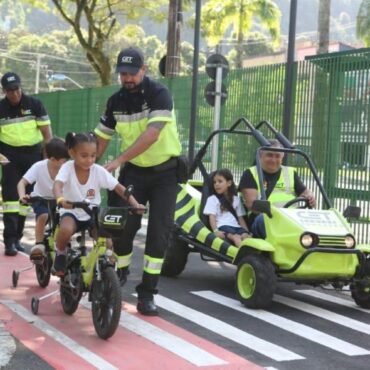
{"x": 42, "y": 174}
{"x": 225, "y": 209}
{"x": 78, "y": 180}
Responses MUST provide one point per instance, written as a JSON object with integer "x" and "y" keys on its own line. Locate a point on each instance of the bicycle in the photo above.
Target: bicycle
{"x": 43, "y": 264}
{"x": 93, "y": 271}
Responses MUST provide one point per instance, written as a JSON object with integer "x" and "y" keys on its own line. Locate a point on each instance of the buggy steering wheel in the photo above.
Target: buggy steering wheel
{"x": 298, "y": 200}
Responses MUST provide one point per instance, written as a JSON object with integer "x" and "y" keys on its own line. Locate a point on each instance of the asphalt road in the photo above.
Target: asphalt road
{"x": 305, "y": 328}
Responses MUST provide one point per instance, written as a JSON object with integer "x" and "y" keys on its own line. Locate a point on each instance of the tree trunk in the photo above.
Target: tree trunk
{"x": 173, "y": 38}
{"x": 323, "y": 26}
{"x": 101, "y": 65}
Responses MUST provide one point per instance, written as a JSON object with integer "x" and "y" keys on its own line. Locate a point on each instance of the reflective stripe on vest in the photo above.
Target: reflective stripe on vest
{"x": 24, "y": 210}
{"x": 284, "y": 188}
{"x": 152, "y": 265}
{"x": 124, "y": 261}
{"x": 11, "y": 207}
{"x": 130, "y": 127}
{"x": 22, "y": 131}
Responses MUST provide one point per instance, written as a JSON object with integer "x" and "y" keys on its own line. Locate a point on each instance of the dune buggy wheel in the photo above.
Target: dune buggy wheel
{"x": 69, "y": 296}
{"x": 176, "y": 256}
{"x": 255, "y": 281}
{"x": 106, "y": 303}
{"x": 43, "y": 271}
{"x": 15, "y": 277}
{"x": 361, "y": 294}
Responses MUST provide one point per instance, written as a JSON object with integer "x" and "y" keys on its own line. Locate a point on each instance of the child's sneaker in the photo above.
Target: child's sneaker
{"x": 37, "y": 251}
{"x": 59, "y": 265}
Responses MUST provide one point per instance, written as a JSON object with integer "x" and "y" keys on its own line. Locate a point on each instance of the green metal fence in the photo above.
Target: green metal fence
{"x": 330, "y": 119}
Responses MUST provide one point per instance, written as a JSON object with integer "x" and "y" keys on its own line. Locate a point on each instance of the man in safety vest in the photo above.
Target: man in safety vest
{"x": 24, "y": 124}
{"x": 142, "y": 113}
{"x": 281, "y": 184}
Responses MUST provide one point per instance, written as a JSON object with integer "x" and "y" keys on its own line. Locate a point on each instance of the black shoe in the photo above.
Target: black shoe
{"x": 122, "y": 274}
{"x": 19, "y": 246}
{"x": 59, "y": 265}
{"x": 10, "y": 249}
{"x": 147, "y": 307}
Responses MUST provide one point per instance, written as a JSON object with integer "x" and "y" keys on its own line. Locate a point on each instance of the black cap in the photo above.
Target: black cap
{"x": 130, "y": 60}
{"x": 10, "y": 81}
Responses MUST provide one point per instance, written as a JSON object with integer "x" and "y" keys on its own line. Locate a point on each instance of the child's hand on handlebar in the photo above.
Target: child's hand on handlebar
{"x": 24, "y": 199}
{"x": 65, "y": 204}
{"x": 139, "y": 209}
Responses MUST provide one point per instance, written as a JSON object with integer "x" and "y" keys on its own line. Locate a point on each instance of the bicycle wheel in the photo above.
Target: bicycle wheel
{"x": 70, "y": 296}
{"x": 43, "y": 270}
{"x": 106, "y": 303}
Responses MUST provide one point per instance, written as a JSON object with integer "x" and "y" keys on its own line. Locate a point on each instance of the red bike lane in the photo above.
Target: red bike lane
{"x": 70, "y": 342}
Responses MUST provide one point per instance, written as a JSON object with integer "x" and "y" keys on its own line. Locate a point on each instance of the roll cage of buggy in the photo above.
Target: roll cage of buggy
{"x": 298, "y": 254}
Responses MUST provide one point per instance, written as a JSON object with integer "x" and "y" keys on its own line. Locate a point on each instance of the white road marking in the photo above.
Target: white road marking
{"x": 221, "y": 328}
{"x": 58, "y": 336}
{"x": 7, "y": 346}
{"x": 291, "y": 326}
{"x": 333, "y": 299}
{"x": 166, "y": 340}
{"x": 324, "y": 314}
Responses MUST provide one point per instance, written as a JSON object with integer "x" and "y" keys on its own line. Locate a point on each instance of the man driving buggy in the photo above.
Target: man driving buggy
{"x": 281, "y": 184}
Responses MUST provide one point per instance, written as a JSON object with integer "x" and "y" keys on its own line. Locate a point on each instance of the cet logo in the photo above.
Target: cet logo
{"x": 11, "y": 78}
{"x": 112, "y": 219}
{"x": 126, "y": 60}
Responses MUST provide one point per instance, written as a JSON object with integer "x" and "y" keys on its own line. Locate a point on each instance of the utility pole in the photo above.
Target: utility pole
{"x": 38, "y": 67}
{"x": 173, "y": 38}
{"x": 289, "y": 70}
{"x": 194, "y": 87}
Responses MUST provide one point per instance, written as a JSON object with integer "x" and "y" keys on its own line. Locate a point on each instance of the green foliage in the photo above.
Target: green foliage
{"x": 12, "y": 14}
{"x": 363, "y": 22}
{"x": 221, "y": 16}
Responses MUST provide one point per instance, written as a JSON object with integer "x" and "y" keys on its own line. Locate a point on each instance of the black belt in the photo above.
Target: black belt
{"x": 165, "y": 166}
{"x": 22, "y": 149}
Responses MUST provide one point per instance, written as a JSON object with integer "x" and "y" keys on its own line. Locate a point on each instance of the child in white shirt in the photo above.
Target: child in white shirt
{"x": 42, "y": 174}
{"x": 78, "y": 180}
{"x": 223, "y": 221}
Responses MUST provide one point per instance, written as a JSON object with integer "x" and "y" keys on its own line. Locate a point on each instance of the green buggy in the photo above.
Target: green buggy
{"x": 303, "y": 245}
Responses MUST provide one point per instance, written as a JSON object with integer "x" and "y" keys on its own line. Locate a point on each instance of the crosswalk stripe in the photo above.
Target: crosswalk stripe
{"x": 7, "y": 346}
{"x": 58, "y": 336}
{"x": 324, "y": 314}
{"x": 166, "y": 340}
{"x": 288, "y": 325}
{"x": 333, "y": 299}
{"x": 221, "y": 328}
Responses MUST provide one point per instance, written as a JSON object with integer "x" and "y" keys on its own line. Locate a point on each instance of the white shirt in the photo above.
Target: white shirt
{"x": 99, "y": 178}
{"x": 40, "y": 175}
{"x": 225, "y": 218}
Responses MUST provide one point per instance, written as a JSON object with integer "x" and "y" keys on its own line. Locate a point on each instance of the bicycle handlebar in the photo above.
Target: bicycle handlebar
{"x": 35, "y": 199}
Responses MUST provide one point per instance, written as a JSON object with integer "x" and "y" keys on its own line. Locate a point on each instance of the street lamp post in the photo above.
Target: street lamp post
{"x": 63, "y": 77}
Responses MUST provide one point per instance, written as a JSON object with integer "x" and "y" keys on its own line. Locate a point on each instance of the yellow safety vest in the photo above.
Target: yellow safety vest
{"x": 283, "y": 191}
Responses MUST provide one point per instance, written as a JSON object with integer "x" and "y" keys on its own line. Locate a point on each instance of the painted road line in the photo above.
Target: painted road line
{"x": 7, "y": 346}
{"x": 294, "y": 327}
{"x": 166, "y": 340}
{"x": 324, "y": 314}
{"x": 58, "y": 336}
{"x": 221, "y": 328}
{"x": 332, "y": 299}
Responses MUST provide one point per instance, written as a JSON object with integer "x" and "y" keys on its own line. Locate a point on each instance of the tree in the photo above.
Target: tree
{"x": 363, "y": 22}
{"x": 95, "y": 21}
{"x": 219, "y": 16}
{"x": 323, "y": 26}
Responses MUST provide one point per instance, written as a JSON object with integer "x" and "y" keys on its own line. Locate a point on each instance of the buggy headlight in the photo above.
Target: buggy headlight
{"x": 349, "y": 241}
{"x": 307, "y": 240}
